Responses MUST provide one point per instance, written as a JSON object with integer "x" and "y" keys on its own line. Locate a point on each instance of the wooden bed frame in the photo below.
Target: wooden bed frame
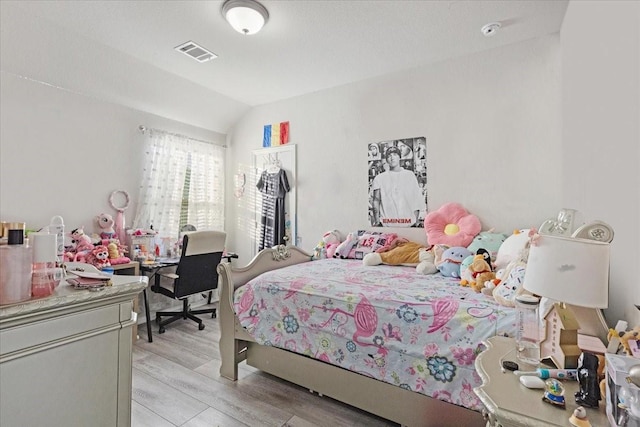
{"x": 385, "y": 400}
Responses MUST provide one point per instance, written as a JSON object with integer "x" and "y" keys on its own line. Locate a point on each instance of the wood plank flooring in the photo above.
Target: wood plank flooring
{"x": 176, "y": 382}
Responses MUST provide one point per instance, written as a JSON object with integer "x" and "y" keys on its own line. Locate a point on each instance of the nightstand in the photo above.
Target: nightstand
{"x": 509, "y": 403}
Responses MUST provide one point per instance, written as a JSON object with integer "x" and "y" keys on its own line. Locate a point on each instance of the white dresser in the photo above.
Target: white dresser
{"x": 65, "y": 360}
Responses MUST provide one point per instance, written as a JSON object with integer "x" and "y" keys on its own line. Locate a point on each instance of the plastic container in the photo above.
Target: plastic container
{"x": 528, "y": 329}
{"x": 15, "y": 267}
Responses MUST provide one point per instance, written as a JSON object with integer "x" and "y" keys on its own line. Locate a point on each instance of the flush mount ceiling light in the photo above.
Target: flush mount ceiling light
{"x": 245, "y": 16}
{"x": 490, "y": 29}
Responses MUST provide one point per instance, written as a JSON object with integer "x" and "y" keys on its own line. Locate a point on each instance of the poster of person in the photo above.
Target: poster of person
{"x": 398, "y": 182}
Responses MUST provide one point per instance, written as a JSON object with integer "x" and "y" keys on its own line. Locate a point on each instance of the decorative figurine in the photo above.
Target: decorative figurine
{"x": 589, "y": 393}
{"x": 579, "y": 418}
{"x": 554, "y": 392}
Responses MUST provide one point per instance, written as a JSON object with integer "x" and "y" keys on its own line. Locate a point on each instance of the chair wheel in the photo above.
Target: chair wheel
{"x": 161, "y": 330}
{"x": 200, "y": 326}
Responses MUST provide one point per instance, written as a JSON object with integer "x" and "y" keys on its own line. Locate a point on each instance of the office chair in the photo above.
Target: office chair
{"x": 196, "y": 273}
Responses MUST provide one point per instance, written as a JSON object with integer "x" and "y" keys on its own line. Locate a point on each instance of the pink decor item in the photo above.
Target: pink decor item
{"x": 119, "y": 223}
{"x": 451, "y": 225}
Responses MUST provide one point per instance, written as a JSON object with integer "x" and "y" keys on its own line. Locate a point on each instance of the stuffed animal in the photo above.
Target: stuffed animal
{"x": 451, "y": 260}
{"x": 488, "y": 240}
{"x": 490, "y": 285}
{"x": 480, "y": 273}
{"x": 405, "y": 253}
{"x": 623, "y": 337}
{"x": 105, "y": 223}
{"x": 427, "y": 261}
{"x": 82, "y": 241}
{"x": 99, "y": 257}
{"x": 343, "y": 249}
{"x": 510, "y": 286}
{"x": 512, "y": 248}
{"x": 329, "y": 239}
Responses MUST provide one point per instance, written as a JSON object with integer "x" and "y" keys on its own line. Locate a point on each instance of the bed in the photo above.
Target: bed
{"x": 381, "y": 338}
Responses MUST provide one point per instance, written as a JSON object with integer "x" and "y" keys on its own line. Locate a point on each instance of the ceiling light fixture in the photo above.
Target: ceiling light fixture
{"x": 245, "y": 16}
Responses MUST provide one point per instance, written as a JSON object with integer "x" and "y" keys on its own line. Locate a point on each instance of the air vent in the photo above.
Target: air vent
{"x": 196, "y": 51}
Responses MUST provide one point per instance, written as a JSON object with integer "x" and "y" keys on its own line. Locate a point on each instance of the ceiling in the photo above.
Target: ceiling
{"x": 123, "y": 51}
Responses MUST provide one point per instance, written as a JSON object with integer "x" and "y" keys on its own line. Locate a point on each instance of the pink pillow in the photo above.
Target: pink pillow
{"x": 451, "y": 225}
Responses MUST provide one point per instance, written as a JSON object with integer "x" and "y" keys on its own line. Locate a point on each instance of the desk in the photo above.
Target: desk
{"x": 152, "y": 269}
{"x": 130, "y": 268}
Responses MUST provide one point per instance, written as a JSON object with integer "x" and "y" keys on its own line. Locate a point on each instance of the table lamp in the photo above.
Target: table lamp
{"x": 572, "y": 271}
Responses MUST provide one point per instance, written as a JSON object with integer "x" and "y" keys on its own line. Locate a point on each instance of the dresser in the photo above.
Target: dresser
{"x": 65, "y": 360}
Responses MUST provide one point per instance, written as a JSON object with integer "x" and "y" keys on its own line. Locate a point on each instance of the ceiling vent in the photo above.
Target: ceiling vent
{"x": 196, "y": 52}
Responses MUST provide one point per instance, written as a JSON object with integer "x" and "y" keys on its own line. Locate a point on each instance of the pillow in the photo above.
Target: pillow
{"x": 451, "y": 225}
{"x": 489, "y": 240}
{"x": 370, "y": 241}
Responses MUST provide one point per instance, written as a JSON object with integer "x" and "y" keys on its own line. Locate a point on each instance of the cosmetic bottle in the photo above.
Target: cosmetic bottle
{"x": 56, "y": 227}
{"x": 15, "y": 267}
{"x": 45, "y": 277}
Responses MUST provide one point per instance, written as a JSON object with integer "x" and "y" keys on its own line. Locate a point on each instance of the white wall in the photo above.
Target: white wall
{"x": 62, "y": 153}
{"x": 490, "y": 120}
{"x": 601, "y": 133}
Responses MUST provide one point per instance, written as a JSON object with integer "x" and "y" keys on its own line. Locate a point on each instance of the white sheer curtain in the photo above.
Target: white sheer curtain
{"x": 175, "y": 166}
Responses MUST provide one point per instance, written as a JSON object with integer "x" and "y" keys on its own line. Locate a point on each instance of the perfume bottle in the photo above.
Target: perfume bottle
{"x": 45, "y": 277}
{"x": 15, "y": 267}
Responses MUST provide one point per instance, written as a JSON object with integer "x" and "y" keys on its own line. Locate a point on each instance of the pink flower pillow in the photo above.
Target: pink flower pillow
{"x": 451, "y": 225}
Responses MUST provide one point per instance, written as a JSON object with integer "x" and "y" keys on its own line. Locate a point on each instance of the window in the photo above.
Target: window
{"x": 182, "y": 183}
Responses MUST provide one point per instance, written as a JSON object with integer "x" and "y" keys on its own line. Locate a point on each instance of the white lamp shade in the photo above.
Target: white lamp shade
{"x": 570, "y": 270}
{"x": 245, "y": 16}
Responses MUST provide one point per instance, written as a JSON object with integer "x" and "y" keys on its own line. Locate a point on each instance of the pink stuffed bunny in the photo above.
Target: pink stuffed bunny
{"x": 106, "y": 222}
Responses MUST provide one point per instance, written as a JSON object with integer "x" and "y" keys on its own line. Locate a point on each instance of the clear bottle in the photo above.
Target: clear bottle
{"x": 528, "y": 329}
{"x": 15, "y": 267}
{"x": 45, "y": 277}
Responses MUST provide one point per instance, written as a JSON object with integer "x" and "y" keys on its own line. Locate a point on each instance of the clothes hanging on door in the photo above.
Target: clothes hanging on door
{"x": 273, "y": 186}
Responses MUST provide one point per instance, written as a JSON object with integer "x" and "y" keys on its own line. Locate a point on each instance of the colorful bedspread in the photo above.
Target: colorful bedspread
{"x": 419, "y": 332}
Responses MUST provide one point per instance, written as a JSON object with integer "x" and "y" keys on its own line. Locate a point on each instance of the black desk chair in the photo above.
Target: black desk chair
{"x": 196, "y": 273}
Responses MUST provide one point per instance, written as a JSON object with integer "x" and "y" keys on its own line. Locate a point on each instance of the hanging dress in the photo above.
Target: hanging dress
{"x": 273, "y": 186}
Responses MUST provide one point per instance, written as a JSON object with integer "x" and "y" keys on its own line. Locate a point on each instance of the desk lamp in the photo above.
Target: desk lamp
{"x": 571, "y": 271}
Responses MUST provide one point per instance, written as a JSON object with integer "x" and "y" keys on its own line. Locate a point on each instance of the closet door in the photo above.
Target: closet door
{"x": 268, "y": 159}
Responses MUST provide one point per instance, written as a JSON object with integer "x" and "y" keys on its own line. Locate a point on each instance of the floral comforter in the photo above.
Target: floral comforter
{"x": 419, "y": 332}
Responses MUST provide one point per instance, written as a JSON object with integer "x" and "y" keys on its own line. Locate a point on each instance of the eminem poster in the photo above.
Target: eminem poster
{"x": 398, "y": 182}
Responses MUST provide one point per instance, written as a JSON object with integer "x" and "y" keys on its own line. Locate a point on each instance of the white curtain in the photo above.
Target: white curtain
{"x": 166, "y": 160}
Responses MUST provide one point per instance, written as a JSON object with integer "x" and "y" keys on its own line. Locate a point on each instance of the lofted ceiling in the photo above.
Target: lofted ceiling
{"x": 123, "y": 51}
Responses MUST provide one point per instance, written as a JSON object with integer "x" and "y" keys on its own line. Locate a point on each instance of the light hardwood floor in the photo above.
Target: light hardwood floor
{"x": 176, "y": 382}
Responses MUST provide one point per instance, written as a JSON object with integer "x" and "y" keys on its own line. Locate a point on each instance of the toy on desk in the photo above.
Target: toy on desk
{"x": 105, "y": 223}
{"x": 554, "y": 392}
{"x": 589, "y": 393}
{"x": 579, "y": 418}
{"x": 99, "y": 257}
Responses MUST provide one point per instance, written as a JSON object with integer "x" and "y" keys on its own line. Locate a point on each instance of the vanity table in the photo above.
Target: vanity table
{"x": 510, "y": 404}
{"x": 65, "y": 360}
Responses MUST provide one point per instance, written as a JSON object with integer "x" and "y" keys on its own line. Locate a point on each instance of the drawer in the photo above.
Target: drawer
{"x": 48, "y": 331}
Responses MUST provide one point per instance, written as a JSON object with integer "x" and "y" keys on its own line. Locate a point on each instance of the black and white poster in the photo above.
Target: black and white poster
{"x": 398, "y": 182}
